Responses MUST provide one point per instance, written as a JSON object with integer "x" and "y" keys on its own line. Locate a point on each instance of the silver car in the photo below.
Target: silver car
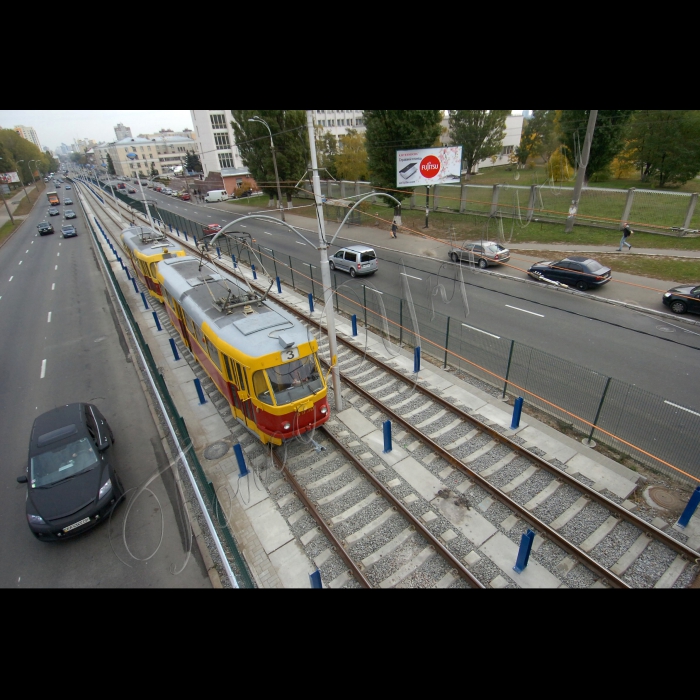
{"x": 355, "y": 259}
{"x": 483, "y": 253}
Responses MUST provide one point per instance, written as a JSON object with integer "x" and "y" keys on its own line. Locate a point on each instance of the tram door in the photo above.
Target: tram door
{"x": 183, "y": 324}
{"x": 248, "y": 408}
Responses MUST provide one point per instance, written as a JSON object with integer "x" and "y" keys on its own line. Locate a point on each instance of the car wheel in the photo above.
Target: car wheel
{"x": 581, "y": 286}
{"x": 352, "y": 272}
{"x": 331, "y": 265}
{"x": 453, "y": 257}
{"x": 483, "y": 264}
{"x": 678, "y": 307}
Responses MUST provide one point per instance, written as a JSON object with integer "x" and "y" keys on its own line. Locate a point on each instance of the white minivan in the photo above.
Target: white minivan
{"x": 216, "y": 196}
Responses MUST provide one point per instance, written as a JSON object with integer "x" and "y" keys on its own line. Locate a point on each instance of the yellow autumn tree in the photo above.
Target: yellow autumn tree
{"x": 351, "y": 160}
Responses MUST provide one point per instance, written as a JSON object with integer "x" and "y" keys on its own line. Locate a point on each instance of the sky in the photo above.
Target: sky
{"x": 54, "y": 127}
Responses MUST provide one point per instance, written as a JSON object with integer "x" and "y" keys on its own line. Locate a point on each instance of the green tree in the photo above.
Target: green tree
{"x": 110, "y": 165}
{"x": 326, "y": 150}
{"x": 79, "y": 158}
{"x": 608, "y": 137}
{"x": 539, "y": 137}
{"x": 289, "y": 133}
{"x": 192, "y": 162}
{"x": 351, "y": 161}
{"x": 154, "y": 170}
{"x": 16, "y": 149}
{"x": 390, "y": 130}
{"x": 665, "y": 144}
{"x": 480, "y": 132}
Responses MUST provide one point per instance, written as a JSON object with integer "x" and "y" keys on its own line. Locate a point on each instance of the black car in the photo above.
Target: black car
{"x": 682, "y": 299}
{"x": 71, "y": 485}
{"x": 69, "y": 213}
{"x": 68, "y": 231}
{"x": 67, "y": 200}
{"x": 54, "y": 212}
{"x": 58, "y": 187}
{"x": 574, "y": 271}
{"x": 45, "y": 227}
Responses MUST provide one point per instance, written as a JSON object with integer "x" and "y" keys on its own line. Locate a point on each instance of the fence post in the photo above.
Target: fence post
{"x": 589, "y": 442}
{"x": 628, "y": 207}
{"x": 691, "y": 210}
{"x": 462, "y": 198}
{"x": 690, "y": 508}
{"x": 494, "y": 199}
{"x": 526, "y": 540}
{"x": 412, "y": 205}
{"x": 416, "y": 359}
{"x": 342, "y": 189}
{"x": 447, "y": 340}
{"x": 510, "y": 356}
{"x": 274, "y": 262}
{"x": 357, "y": 188}
{"x": 252, "y": 267}
{"x": 400, "y": 322}
{"x": 531, "y": 202}
{"x": 238, "y": 450}
{"x": 364, "y": 302}
{"x": 218, "y": 252}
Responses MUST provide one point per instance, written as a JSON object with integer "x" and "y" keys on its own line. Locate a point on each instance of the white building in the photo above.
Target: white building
{"x": 338, "y": 121}
{"x": 514, "y": 128}
{"x": 122, "y": 132}
{"x": 28, "y": 133}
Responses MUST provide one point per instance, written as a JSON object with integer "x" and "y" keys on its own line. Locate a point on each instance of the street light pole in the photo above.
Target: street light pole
{"x": 33, "y": 160}
{"x": 274, "y": 163}
{"x": 325, "y": 269}
{"x": 143, "y": 196}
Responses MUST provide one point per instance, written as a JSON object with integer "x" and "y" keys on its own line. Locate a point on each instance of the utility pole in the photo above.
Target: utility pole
{"x": 581, "y": 174}
{"x": 325, "y": 270}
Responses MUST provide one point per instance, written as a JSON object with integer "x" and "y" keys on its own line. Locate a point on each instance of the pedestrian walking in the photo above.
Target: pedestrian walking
{"x": 626, "y": 233}
{"x": 393, "y": 230}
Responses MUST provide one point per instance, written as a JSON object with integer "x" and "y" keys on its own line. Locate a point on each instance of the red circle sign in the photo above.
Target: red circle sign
{"x": 429, "y": 166}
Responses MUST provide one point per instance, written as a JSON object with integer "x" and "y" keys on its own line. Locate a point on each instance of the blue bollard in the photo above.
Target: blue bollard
{"x": 171, "y": 228}
{"x": 279, "y": 286}
{"x": 218, "y": 252}
{"x": 311, "y": 302}
{"x": 194, "y": 238}
{"x": 517, "y": 408}
{"x": 200, "y": 393}
{"x": 524, "y": 551}
{"x": 128, "y": 276}
{"x": 387, "y": 435}
{"x": 233, "y": 259}
{"x": 255, "y": 276}
{"x": 121, "y": 263}
{"x": 315, "y": 579}
{"x": 177, "y": 230}
{"x": 185, "y": 232}
{"x": 238, "y": 450}
{"x": 174, "y": 348}
{"x": 145, "y": 303}
{"x": 136, "y": 289}
{"x": 155, "y": 318}
{"x": 690, "y": 508}
{"x": 416, "y": 359}
{"x": 354, "y": 325}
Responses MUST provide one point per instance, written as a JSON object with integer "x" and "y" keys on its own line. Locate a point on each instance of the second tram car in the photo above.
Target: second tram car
{"x": 260, "y": 357}
{"x": 146, "y": 248}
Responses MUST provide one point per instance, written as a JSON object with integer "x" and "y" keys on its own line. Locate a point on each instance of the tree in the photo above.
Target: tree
{"x": 608, "y": 137}
{"x": 79, "y": 158}
{"x": 110, "y": 165}
{"x": 326, "y": 150}
{"x": 480, "y": 132}
{"x": 351, "y": 161}
{"x": 390, "y": 130}
{"x": 665, "y": 144}
{"x": 16, "y": 149}
{"x": 539, "y": 137}
{"x": 154, "y": 170}
{"x": 193, "y": 162}
{"x": 289, "y": 133}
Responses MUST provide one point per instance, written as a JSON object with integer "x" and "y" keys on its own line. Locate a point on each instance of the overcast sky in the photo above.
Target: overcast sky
{"x": 54, "y": 127}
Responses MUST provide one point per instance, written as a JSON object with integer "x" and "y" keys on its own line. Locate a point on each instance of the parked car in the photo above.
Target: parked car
{"x": 216, "y": 196}
{"x": 68, "y": 200}
{"x": 483, "y": 253}
{"x": 682, "y": 299}
{"x": 69, "y": 213}
{"x": 72, "y": 485}
{"x": 211, "y": 228}
{"x": 157, "y": 188}
{"x": 58, "y": 187}
{"x": 54, "y": 212}
{"x": 44, "y": 228}
{"x": 131, "y": 190}
{"x": 121, "y": 186}
{"x": 185, "y": 197}
{"x": 574, "y": 271}
{"x": 68, "y": 231}
{"x": 355, "y": 259}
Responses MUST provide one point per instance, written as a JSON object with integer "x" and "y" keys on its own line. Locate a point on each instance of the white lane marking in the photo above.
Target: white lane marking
{"x": 20, "y": 262}
{"x": 498, "y": 337}
{"x": 43, "y": 369}
{"x": 53, "y": 286}
{"x": 269, "y": 234}
{"x": 300, "y": 243}
{"x": 11, "y": 278}
{"x": 420, "y": 279}
{"x": 310, "y": 265}
{"x": 525, "y": 311}
{"x": 58, "y": 255}
{"x": 26, "y": 251}
{"x": 243, "y": 226}
{"x": 59, "y": 244}
{"x": 56, "y": 267}
{"x": 32, "y": 242}
{"x": 675, "y": 405}
{"x": 49, "y": 319}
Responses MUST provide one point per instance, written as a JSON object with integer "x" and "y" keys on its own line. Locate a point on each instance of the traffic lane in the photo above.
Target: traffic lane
{"x": 91, "y": 368}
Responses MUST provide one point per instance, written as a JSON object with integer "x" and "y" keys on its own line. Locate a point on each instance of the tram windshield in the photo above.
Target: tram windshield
{"x": 295, "y": 380}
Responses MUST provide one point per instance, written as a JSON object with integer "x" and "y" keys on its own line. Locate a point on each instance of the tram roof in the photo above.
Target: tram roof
{"x": 147, "y": 240}
{"x": 250, "y": 333}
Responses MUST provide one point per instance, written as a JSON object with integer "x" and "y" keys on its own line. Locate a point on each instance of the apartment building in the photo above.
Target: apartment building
{"x": 122, "y": 132}
{"x": 28, "y": 133}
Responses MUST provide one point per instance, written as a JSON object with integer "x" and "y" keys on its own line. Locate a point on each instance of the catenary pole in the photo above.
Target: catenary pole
{"x": 581, "y": 174}
{"x": 325, "y": 269}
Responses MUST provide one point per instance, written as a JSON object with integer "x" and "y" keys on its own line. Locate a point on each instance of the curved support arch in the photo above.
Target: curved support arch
{"x": 362, "y": 199}
{"x": 262, "y": 217}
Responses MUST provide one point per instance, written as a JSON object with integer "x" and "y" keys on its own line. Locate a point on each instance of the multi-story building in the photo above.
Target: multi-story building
{"x": 159, "y": 154}
{"x": 28, "y": 133}
{"x": 338, "y": 121}
{"x": 122, "y": 132}
{"x": 185, "y": 133}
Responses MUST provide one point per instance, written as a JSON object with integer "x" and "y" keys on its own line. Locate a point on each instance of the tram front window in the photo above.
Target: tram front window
{"x": 295, "y": 380}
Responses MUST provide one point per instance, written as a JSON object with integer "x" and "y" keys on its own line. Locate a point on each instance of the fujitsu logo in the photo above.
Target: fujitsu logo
{"x": 429, "y": 166}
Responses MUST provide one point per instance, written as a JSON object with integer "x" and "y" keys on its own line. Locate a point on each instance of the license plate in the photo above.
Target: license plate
{"x": 78, "y": 524}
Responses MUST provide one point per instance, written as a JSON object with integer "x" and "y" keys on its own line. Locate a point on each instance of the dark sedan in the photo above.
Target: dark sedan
{"x": 69, "y": 214}
{"x": 67, "y": 200}
{"x": 44, "y": 228}
{"x": 682, "y": 299}
{"x": 71, "y": 485}
{"x": 574, "y": 271}
{"x": 54, "y": 212}
{"x": 68, "y": 231}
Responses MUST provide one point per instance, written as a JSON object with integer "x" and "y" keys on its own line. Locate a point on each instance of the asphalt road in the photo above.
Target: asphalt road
{"x": 61, "y": 344}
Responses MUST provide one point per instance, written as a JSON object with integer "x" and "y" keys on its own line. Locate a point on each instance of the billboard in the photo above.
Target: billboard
{"x": 428, "y": 166}
{"x": 9, "y": 177}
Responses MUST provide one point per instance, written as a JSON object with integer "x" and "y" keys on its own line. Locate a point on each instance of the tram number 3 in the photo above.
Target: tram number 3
{"x": 289, "y": 355}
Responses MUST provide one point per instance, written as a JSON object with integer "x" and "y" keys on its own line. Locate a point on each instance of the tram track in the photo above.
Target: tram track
{"x": 468, "y": 447}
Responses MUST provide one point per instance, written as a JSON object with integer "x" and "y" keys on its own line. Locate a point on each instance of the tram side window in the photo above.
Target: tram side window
{"x": 262, "y": 391}
{"x": 243, "y": 385}
{"x": 213, "y": 352}
{"x": 144, "y": 268}
{"x": 229, "y": 369}
{"x": 152, "y": 266}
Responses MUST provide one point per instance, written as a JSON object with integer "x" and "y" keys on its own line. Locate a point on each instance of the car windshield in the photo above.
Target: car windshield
{"x": 68, "y": 460}
{"x": 295, "y": 380}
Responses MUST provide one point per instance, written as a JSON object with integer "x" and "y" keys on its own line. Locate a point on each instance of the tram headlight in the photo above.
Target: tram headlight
{"x": 324, "y": 410}
{"x": 286, "y": 426}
